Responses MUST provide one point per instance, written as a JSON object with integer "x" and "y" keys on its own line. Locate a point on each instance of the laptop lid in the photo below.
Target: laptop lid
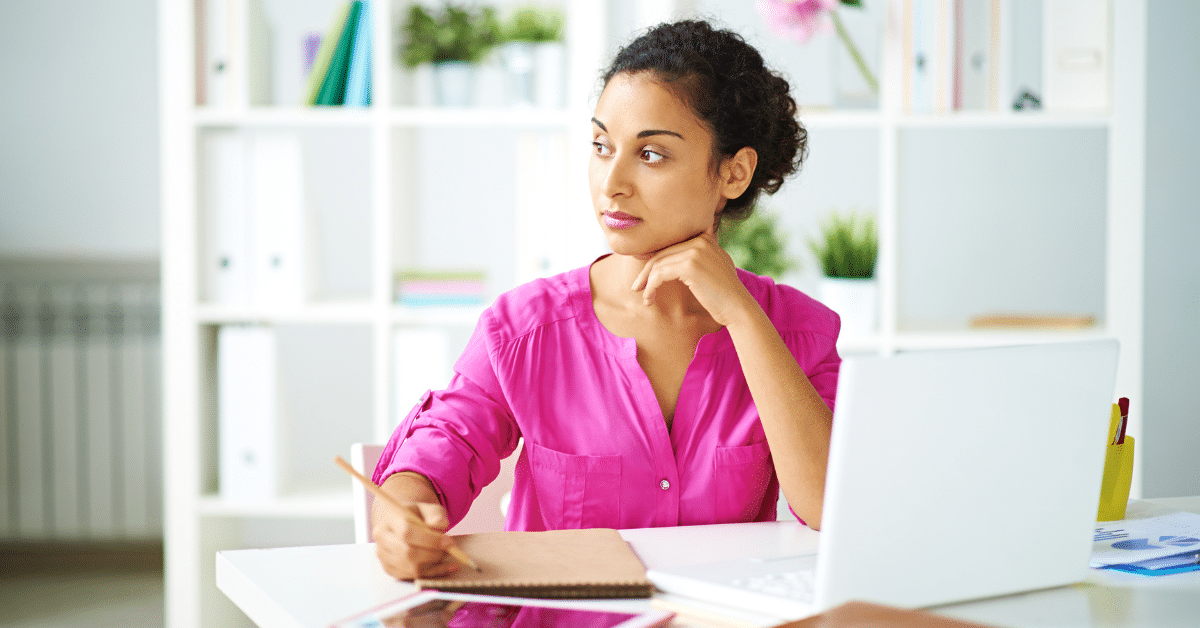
{"x": 963, "y": 474}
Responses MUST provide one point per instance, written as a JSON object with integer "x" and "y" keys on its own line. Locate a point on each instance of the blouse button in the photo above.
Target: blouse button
{"x": 664, "y": 485}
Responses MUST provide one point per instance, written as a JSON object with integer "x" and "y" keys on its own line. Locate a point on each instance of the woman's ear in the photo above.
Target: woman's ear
{"x": 737, "y": 171}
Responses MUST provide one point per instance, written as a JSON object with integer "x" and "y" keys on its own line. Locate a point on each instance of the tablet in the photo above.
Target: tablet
{"x": 436, "y": 609}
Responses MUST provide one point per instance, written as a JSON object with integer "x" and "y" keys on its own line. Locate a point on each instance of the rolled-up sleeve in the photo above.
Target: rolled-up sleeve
{"x": 818, "y": 356}
{"x": 456, "y": 437}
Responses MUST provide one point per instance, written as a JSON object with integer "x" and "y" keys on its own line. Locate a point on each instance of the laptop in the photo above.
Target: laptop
{"x": 953, "y": 475}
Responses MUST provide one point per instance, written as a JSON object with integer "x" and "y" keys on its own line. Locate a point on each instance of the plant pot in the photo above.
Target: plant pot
{"x": 518, "y": 60}
{"x": 549, "y": 70}
{"x": 454, "y": 83}
{"x": 855, "y": 300}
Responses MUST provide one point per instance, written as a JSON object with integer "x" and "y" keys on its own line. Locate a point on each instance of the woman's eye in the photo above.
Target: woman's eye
{"x": 650, "y": 156}
{"x": 601, "y": 149}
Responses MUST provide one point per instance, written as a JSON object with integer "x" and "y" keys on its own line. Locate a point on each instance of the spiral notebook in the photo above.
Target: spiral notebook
{"x": 592, "y": 563}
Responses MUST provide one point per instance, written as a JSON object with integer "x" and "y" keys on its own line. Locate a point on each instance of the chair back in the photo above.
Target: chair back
{"x": 363, "y": 458}
{"x": 487, "y": 513}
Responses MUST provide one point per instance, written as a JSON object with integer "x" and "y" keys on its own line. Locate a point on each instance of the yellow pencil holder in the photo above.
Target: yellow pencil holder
{"x": 1118, "y": 474}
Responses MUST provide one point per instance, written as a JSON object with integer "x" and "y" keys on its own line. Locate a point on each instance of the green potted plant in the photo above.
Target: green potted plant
{"x": 452, "y": 40}
{"x": 534, "y": 24}
{"x": 756, "y": 245}
{"x": 847, "y": 251}
{"x": 534, "y": 55}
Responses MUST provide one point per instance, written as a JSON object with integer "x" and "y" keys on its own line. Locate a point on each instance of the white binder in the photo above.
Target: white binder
{"x": 248, "y": 408}
{"x": 224, "y": 42}
{"x": 975, "y": 55}
{"x": 229, "y": 253}
{"x": 1075, "y": 55}
{"x": 932, "y": 61}
{"x": 281, "y": 228}
{"x": 258, "y": 227}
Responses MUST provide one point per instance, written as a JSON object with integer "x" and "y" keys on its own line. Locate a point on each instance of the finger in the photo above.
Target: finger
{"x": 657, "y": 258}
{"x": 404, "y": 534}
{"x": 396, "y": 569}
{"x": 423, "y": 537}
{"x": 396, "y": 560}
{"x": 406, "y": 561}
{"x": 440, "y": 569}
{"x": 418, "y": 523}
{"x": 664, "y": 270}
{"x": 403, "y": 568}
{"x": 425, "y": 562}
{"x": 639, "y": 283}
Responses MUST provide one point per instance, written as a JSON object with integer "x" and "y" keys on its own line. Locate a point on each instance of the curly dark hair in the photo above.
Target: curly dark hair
{"x": 726, "y": 82}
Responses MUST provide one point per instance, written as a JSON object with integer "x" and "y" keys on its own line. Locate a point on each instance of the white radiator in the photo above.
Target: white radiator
{"x": 80, "y": 406}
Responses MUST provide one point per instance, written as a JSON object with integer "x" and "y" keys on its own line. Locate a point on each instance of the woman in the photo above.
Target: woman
{"x": 660, "y": 385}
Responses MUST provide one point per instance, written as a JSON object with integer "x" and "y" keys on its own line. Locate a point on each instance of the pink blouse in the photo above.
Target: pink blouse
{"x": 597, "y": 452}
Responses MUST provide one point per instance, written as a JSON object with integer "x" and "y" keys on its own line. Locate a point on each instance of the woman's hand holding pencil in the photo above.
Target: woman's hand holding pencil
{"x": 410, "y": 537}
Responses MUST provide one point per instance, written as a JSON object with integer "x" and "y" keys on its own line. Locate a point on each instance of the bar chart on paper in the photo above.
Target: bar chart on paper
{"x": 1134, "y": 540}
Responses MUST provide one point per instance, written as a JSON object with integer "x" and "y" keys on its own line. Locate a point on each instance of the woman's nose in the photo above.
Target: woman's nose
{"x": 617, "y": 178}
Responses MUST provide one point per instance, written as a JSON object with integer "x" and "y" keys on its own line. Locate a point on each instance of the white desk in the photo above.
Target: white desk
{"x": 311, "y": 587}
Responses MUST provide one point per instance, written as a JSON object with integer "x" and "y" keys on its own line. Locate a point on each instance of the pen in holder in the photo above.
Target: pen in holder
{"x": 1118, "y": 466}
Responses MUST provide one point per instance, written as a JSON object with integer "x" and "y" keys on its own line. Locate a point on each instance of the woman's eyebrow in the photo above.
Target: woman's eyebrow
{"x": 649, "y": 132}
{"x": 641, "y": 134}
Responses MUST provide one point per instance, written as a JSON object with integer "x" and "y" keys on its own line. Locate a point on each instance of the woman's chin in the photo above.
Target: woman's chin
{"x": 640, "y": 249}
{"x": 621, "y": 246}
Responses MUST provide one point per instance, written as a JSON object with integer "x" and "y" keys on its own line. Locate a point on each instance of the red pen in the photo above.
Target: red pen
{"x": 1123, "y": 404}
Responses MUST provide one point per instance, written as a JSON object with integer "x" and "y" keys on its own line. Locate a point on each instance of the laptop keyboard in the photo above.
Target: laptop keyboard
{"x": 783, "y": 587}
{"x": 796, "y": 585}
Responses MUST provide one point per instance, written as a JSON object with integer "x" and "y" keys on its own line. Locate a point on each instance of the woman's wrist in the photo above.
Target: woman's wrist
{"x": 411, "y": 487}
{"x": 746, "y": 315}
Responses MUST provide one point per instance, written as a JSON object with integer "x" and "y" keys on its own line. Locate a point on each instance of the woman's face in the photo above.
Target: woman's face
{"x": 650, "y": 173}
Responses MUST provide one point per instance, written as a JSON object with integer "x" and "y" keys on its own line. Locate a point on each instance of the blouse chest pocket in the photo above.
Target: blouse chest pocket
{"x": 743, "y": 473}
{"x": 576, "y": 491}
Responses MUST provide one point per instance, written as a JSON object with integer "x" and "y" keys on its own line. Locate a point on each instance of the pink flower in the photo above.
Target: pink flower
{"x": 797, "y": 19}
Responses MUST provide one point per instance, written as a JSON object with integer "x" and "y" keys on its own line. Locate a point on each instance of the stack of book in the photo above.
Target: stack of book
{"x": 421, "y": 288}
{"x": 341, "y": 72}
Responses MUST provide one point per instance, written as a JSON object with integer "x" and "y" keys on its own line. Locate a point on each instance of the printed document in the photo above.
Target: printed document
{"x": 1136, "y": 540}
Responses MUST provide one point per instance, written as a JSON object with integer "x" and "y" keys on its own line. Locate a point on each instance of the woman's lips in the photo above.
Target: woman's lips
{"x": 620, "y": 220}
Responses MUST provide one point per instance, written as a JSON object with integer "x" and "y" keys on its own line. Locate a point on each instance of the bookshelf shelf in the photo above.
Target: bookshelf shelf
{"x": 871, "y": 343}
{"x": 825, "y": 119}
{"x": 820, "y": 118}
{"x": 435, "y": 315}
{"x": 359, "y": 312}
{"x": 314, "y": 504}
{"x": 1007, "y": 120}
{"x": 472, "y": 117}
{"x": 289, "y": 117}
{"x": 962, "y": 339}
{"x": 301, "y": 117}
{"x": 402, "y": 186}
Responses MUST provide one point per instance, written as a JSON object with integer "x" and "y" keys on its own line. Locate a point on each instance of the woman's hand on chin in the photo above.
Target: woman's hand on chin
{"x": 706, "y": 269}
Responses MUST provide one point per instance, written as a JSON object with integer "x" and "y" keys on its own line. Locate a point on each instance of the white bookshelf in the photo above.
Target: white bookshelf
{"x": 199, "y": 521}
{"x": 380, "y": 140}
